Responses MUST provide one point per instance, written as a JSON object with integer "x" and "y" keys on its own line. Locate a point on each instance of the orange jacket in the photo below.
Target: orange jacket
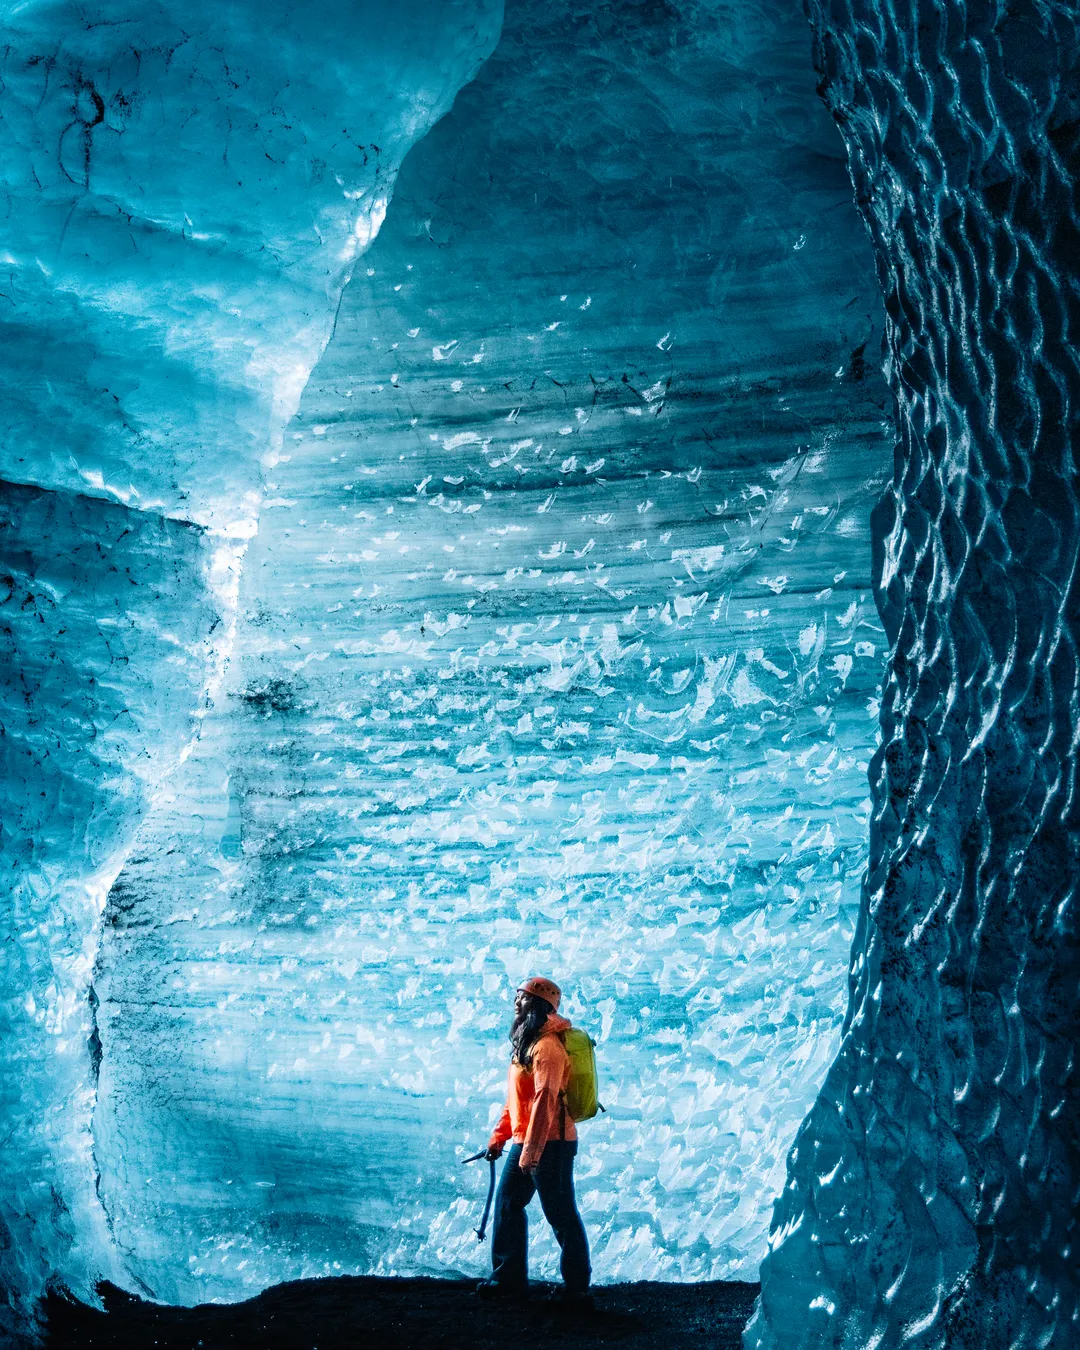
{"x": 533, "y": 1114}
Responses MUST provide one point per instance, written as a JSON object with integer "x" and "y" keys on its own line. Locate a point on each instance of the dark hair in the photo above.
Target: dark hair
{"x": 527, "y": 1026}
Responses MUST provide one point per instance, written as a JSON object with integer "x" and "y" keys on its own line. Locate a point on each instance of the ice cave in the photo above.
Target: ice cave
{"x": 587, "y": 488}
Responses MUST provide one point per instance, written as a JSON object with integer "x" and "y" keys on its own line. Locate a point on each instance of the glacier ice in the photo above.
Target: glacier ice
{"x": 537, "y": 630}
{"x": 556, "y": 649}
{"x": 932, "y": 1192}
{"x": 183, "y": 202}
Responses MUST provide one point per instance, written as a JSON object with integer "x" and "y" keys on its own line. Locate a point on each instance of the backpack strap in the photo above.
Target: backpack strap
{"x": 562, "y": 1099}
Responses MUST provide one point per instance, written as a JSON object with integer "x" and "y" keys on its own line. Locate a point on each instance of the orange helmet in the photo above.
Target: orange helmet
{"x": 542, "y": 988}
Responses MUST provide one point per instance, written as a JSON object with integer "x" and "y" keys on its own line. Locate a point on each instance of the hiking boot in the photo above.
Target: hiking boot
{"x": 496, "y": 1289}
{"x": 579, "y": 1302}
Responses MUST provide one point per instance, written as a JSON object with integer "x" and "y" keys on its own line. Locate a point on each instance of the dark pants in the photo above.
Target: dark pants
{"x": 510, "y": 1238}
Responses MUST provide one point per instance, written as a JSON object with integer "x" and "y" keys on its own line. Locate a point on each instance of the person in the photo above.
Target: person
{"x": 543, "y": 1147}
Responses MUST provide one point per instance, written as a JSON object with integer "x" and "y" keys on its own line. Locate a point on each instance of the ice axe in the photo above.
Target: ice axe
{"x": 491, "y": 1191}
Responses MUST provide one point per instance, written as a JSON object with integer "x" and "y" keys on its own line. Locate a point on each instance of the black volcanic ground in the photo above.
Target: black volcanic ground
{"x": 435, "y": 1314}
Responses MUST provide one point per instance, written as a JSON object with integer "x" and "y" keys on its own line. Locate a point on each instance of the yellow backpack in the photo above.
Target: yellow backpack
{"x": 580, "y": 1097}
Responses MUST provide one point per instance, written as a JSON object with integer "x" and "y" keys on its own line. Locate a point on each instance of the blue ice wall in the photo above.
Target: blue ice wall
{"x": 185, "y": 188}
{"x": 931, "y": 1198}
{"x": 556, "y": 651}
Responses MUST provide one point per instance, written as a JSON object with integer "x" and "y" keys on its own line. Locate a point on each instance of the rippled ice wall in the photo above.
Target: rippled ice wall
{"x": 182, "y": 202}
{"x": 557, "y": 651}
{"x": 932, "y": 1193}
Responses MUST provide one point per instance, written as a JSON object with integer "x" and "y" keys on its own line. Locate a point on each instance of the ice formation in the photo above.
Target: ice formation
{"x": 556, "y": 650}
{"x": 932, "y": 1192}
{"x": 539, "y": 634}
{"x": 185, "y": 189}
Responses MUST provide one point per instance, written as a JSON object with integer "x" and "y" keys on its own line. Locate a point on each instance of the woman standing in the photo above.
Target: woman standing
{"x": 541, "y": 1157}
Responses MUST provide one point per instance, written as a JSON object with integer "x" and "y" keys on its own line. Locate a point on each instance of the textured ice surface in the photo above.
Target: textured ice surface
{"x": 106, "y": 641}
{"x": 932, "y": 1193}
{"x": 185, "y": 188}
{"x": 557, "y": 651}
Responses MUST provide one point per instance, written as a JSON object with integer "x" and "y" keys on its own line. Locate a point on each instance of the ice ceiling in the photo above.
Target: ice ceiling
{"x": 534, "y": 630}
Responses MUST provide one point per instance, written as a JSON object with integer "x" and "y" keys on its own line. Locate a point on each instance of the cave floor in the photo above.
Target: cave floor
{"x": 384, "y": 1314}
